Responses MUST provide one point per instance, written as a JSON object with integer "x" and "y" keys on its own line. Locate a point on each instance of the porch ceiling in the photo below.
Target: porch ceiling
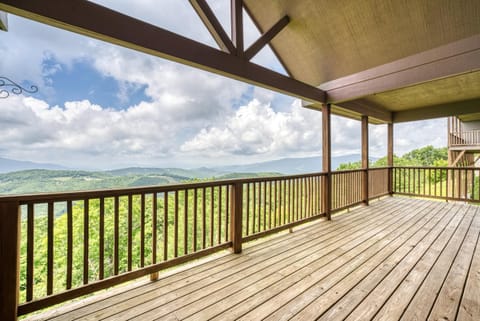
{"x": 413, "y": 59}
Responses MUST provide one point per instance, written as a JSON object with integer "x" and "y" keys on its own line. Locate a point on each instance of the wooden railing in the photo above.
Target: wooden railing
{"x": 272, "y": 204}
{"x": 94, "y": 240}
{"x": 347, "y": 188}
{"x": 148, "y": 229}
{"x": 449, "y": 183}
{"x": 464, "y": 138}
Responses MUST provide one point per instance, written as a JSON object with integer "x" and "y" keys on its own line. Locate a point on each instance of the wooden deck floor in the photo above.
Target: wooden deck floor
{"x": 398, "y": 259}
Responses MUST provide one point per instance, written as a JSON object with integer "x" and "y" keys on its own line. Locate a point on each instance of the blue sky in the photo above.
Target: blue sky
{"x": 102, "y": 106}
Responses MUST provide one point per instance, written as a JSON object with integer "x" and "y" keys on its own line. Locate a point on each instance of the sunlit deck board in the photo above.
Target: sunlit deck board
{"x": 397, "y": 256}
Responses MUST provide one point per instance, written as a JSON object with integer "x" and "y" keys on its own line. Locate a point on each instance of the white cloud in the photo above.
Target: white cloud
{"x": 256, "y": 129}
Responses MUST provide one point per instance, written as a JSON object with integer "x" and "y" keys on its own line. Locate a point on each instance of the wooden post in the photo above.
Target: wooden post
{"x": 365, "y": 158}
{"x": 236, "y": 216}
{"x": 326, "y": 158}
{"x": 236, "y": 7}
{"x": 390, "y": 157}
{"x": 10, "y": 256}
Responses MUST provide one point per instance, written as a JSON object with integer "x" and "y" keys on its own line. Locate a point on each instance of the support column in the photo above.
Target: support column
{"x": 365, "y": 158}
{"x": 326, "y": 158}
{"x": 236, "y": 7}
{"x": 236, "y": 212}
{"x": 390, "y": 157}
{"x": 10, "y": 256}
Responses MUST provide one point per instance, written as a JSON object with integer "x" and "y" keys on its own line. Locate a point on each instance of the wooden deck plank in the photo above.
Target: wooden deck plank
{"x": 315, "y": 259}
{"x": 398, "y": 301}
{"x": 270, "y": 299}
{"x": 380, "y": 262}
{"x": 470, "y": 305}
{"x": 165, "y": 304}
{"x": 420, "y": 306}
{"x": 377, "y": 297}
{"x": 448, "y": 300}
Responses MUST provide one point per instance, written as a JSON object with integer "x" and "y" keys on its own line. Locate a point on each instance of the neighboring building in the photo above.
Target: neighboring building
{"x": 464, "y": 140}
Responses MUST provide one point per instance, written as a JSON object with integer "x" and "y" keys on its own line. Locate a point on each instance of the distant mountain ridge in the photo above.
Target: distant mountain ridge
{"x": 11, "y": 165}
{"x": 285, "y": 166}
{"x": 22, "y": 179}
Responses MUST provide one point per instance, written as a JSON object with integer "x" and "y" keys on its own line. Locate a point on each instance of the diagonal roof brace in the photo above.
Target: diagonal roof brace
{"x": 3, "y": 21}
{"x": 213, "y": 25}
{"x": 266, "y": 37}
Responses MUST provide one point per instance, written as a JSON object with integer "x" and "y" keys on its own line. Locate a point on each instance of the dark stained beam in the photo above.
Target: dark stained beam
{"x": 236, "y": 9}
{"x": 451, "y": 59}
{"x": 213, "y": 25}
{"x": 266, "y": 38}
{"x": 257, "y": 25}
{"x": 3, "y": 21}
{"x": 438, "y": 111}
{"x": 368, "y": 109}
{"x": 355, "y": 109}
{"x": 111, "y": 26}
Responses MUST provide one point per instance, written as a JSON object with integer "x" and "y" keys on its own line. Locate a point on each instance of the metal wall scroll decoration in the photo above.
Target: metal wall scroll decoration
{"x": 8, "y": 87}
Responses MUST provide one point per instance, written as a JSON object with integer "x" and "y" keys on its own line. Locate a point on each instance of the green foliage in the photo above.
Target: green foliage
{"x": 425, "y": 156}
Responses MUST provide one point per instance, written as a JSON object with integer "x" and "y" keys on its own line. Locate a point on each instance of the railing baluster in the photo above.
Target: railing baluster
{"x": 195, "y": 223}
{"x": 154, "y": 276}
{"x": 227, "y": 212}
{"x": 175, "y": 225}
{"x": 30, "y": 248}
{"x": 264, "y": 205}
{"x": 154, "y": 227}
{"x": 212, "y": 228}
{"x": 254, "y": 207}
{"x": 129, "y": 232}
{"x": 50, "y": 234}
{"x": 270, "y": 205}
{"x": 142, "y": 230}
{"x": 85, "y": 238}
{"x": 248, "y": 210}
{"x": 165, "y": 226}
{"x": 204, "y": 219}
{"x": 69, "y": 244}
{"x": 116, "y": 242}
{"x": 219, "y": 228}
{"x": 101, "y": 238}
{"x": 185, "y": 222}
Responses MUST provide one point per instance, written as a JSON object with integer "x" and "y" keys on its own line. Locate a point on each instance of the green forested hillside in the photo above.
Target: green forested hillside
{"x": 36, "y": 181}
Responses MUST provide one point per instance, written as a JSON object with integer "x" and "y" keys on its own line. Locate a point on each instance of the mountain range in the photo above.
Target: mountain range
{"x": 284, "y": 166}
{"x": 22, "y": 177}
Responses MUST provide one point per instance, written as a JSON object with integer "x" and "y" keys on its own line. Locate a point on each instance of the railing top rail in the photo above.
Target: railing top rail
{"x": 105, "y": 193}
{"x": 436, "y": 167}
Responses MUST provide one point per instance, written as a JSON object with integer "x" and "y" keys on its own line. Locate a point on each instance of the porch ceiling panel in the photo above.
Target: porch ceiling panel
{"x": 380, "y": 57}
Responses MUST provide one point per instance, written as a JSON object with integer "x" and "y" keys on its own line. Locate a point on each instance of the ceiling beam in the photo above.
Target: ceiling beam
{"x": 438, "y": 111}
{"x": 266, "y": 37}
{"x": 213, "y": 25}
{"x": 3, "y": 21}
{"x": 356, "y": 109}
{"x": 451, "y": 59}
{"x": 111, "y": 26}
